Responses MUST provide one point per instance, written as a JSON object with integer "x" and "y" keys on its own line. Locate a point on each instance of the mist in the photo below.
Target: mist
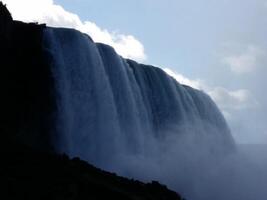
{"x": 190, "y": 167}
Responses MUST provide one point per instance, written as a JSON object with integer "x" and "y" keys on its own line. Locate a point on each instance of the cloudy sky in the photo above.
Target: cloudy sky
{"x": 218, "y": 46}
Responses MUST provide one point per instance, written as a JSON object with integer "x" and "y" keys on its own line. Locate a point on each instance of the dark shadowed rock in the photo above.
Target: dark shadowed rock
{"x": 26, "y": 101}
{"x": 31, "y": 175}
{"x": 5, "y": 21}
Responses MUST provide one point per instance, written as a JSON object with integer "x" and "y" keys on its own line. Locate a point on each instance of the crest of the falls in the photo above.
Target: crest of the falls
{"x": 110, "y": 108}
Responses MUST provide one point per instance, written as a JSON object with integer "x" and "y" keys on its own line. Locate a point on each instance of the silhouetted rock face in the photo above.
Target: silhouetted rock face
{"x": 4, "y": 13}
{"x": 5, "y": 21}
{"x": 27, "y": 174}
{"x": 26, "y": 101}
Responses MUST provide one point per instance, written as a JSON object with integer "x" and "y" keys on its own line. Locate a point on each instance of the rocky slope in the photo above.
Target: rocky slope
{"x": 28, "y": 174}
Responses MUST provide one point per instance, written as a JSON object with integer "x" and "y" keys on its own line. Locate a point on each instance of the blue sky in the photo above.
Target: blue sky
{"x": 189, "y": 33}
{"x": 217, "y": 46}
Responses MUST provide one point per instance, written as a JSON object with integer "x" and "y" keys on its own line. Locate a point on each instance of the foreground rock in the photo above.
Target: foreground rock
{"x": 27, "y": 174}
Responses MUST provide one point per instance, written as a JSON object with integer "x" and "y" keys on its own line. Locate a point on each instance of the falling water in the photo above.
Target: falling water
{"x": 127, "y": 117}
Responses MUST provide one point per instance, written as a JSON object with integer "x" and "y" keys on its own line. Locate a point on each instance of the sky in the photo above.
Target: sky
{"x": 218, "y": 46}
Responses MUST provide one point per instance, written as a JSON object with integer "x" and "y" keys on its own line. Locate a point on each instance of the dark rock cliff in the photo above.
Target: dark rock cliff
{"x": 25, "y": 83}
{"x": 28, "y": 174}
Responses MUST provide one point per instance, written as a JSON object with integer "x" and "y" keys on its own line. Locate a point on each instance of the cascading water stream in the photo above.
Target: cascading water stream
{"x": 107, "y": 103}
{"x": 127, "y": 117}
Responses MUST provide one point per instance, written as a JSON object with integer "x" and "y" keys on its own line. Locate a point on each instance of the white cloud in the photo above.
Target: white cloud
{"x": 45, "y": 11}
{"x": 247, "y": 61}
{"x": 232, "y": 100}
{"x": 228, "y": 101}
{"x": 197, "y": 84}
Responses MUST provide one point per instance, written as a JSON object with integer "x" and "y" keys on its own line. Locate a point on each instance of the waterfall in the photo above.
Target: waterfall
{"x": 128, "y": 117}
